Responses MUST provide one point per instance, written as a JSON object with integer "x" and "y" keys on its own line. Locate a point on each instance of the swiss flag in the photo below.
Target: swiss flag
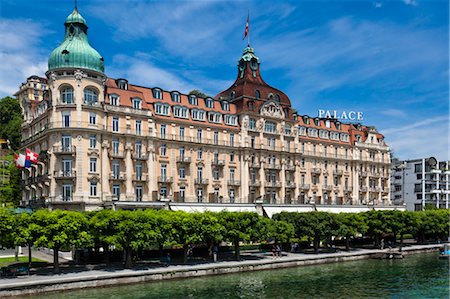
{"x": 31, "y": 156}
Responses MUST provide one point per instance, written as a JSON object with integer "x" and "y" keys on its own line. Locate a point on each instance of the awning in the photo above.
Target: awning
{"x": 271, "y": 210}
{"x": 211, "y": 207}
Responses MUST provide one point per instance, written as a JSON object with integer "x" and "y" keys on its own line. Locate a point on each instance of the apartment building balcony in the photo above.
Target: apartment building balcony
{"x": 348, "y": 190}
{"x": 255, "y": 165}
{"x": 273, "y": 166}
{"x": 64, "y": 174}
{"x": 304, "y": 187}
{"x": 116, "y": 154}
{"x": 64, "y": 150}
{"x": 290, "y": 167}
{"x": 255, "y": 183}
{"x": 234, "y": 183}
{"x": 165, "y": 179}
{"x": 128, "y": 110}
{"x": 139, "y": 156}
{"x": 290, "y": 185}
{"x": 273, "y": 184}
{"x": 184, "y": 160}
{"x": 363, "y": 189}
{"x": 316, "y": 170}
{"x": 363, "y": 174}
{"x": 338, "y": 172}
{"x": 140, "y": 178}
{"x": 201, "y": 181}
{"x": 218, "y": 163}
{"x": 327, "y": 187}
{"x": 117, "y": 177}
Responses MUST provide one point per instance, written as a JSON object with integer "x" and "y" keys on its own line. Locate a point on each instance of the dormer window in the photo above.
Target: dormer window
{"x": 251, "y": 106}
{"x": 225, "y": 106}
{"x": 175, "y": 97}
{"x": 114, "y": 100}
{"x": 122, "y": 84}
{"x": 358, "y": 138}
{"x": 230, "y": 120}
{"x": 180, "y": 112}
{"x": 215, "y": 117}
{"x": 137, "y": 103}
{"x": 277, "y": 98}
{"x": 162, "y": 109}
{"x": 157, "y": 94}
{"x": 317, "y": 121}
{"x": 306, "y": 120}
{"x": 193, "y": 100}
{"x": 209, "y": 103}
{"x": 197, "y": 114}
{"x": 257, "y": 94}
{"x": 338, "y": 125}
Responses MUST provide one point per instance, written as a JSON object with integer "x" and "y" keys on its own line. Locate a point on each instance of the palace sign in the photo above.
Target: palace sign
{"x": 344, "y": 115}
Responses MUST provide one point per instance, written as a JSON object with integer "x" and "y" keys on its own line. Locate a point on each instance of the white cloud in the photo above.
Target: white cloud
{"x": 378, "y": 4}
{"x": 394, "y": 112}
{"x": 410, "y": 2}
{"x": 21, "y": 53}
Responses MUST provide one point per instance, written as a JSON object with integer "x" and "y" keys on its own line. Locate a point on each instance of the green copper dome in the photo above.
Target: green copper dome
{"x": 75, "y": 51}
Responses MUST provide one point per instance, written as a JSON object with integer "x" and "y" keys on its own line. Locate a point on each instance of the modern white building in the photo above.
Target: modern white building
{"x": 420, "y": 182}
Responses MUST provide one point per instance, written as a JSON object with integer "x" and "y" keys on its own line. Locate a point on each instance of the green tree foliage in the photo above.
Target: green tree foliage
{"x": 279, "y": 231}
{"x": 61, "y": 230}
{"x": 7, "y": 228}
{"x": 432, "y": 224}
{"x": 350, "y": 225}
{"x": 10, "y": 190}
{"x": 10, "y": 121}
{"x": 198, "y": 93}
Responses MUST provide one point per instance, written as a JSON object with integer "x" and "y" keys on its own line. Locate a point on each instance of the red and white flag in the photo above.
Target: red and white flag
{"x": 246, "y": 27}
{"x": 31, "y": 156}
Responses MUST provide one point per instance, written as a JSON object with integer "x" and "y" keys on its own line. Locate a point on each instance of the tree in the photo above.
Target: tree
{"x": 432, "y": 224}
{"x": 198, "y": 93}
{"x": 242, "y": 226}
{"x": 378, "y": 223}
{"x": 350, "y": 225}
{"x": 61, "y": 230}
{"x": 8, "y": 222}
{"x": 10, "y": 121}
{"x": 279, "y": 231}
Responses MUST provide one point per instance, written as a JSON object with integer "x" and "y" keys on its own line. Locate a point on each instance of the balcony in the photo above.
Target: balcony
{"x": 201, "y": 181}
{"x": 290, "y": 167}
{"x": 348, "y": 190}
{"x": 327, "y": 187}
{"x": 234, "y": 183}
{"x": 363, "y": 189}
{"x": 363, "y": 174}
{"x": 117, "y": 177}
{"x": 128, "y": 110}
{"x": 116, "y": 154}
{"x": 255, "y": 165}
{"x": 273, "y": 166}
{"x": 316, "y": 170}
{"x": 255, "y": 183}
{"x": 139, "y": 156}
{"x": 63, "y": 150}
{"x": 219, "y": 163}
{"x": 140, "y": 178}
{"x": 183, "y": 160}
{"x": 338, "y": 172}
{"x": 273, "y": 184}
{"x": 304, "y": 186}
{"x": 165, "y": 179}
{"x": 64, "y": 174}
{"x": 290, "y": 185}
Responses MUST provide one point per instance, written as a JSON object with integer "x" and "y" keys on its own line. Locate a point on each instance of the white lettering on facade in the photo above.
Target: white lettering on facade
{"x": 344, "y": 115}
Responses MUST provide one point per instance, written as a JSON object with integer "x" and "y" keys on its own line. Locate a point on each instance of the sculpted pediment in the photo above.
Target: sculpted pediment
{"x": 272, "y": 109}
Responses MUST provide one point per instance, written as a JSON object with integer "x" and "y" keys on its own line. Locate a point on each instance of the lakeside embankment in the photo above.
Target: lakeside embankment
{"x": 34, "y": 284}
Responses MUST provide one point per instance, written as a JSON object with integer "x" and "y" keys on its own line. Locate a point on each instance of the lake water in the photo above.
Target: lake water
{"x": 416, "y": 276}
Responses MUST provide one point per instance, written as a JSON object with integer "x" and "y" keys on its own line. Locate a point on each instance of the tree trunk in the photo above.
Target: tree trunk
{"x": 185, "y": 253}
{"x": 107, "y": 252}
{"x": 55, "y": 261}
{"x": 401, "y": 241}
{"x": 30, "y": 259}
{"x": 395, "y": 237}
{"x": 347, "y": 242}
{"x": 316, "y": 244}
{"x": 237, "y": 250}
{"x": 377, "y": 241}
{"x": 128, "y": 258}
{"x": 16, "y": 254}
{"x": 161, "y": 250}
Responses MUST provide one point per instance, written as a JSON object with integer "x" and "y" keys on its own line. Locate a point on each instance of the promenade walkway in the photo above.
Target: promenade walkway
{"x": 82, "y": 277}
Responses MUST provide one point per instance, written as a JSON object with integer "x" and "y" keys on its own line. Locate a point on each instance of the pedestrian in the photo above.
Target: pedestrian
{"x": 274, "y": 251}
{"x": 278, "y": 250}
{"x": 382, "y": 244}
{"x": 215, "y": 251}
{"x": 168, "y": 259}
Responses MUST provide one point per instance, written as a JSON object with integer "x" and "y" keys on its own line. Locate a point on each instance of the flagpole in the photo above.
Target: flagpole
{"x": 248, "y": 34}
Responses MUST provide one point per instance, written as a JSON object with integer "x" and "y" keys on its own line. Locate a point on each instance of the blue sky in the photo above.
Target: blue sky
{"x": 388, "y": 59}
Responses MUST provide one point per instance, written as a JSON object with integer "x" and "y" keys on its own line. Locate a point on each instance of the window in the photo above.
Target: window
{"x": 216, "y": 173}
{"x": 312, "y": 132}
{"x": 209, "y": 103}
{"x": 231, "y": 120}
{"x": 138, "y": 171}
{"x": 175, "y": 97}
{"x": 162, "y": 109}
{"x": 163, "y": 170}
{"x": 257, "y": 94}
{"x": 199, "y": 195}
{"x": 138, "y": 149}
{"x": 199, "y": 154}
{"x": 252, "y": 124}
{"x": 162, "y": 131}
{"x": 417, "y": 168}
{"x": 232, "y": 95}
{"x": 163, "y": 150}
{"x": 181, "y": 133}
{"x": 93, "y": 189}
{"x": 116, "y": 169}
{"x": 92, "y": 164}
{"x": 182, "y": 172}
{"x": 198, "y": 114}
{"x": 116, "y": 192}
{"x": 277, "y": 98}
{"x": 90, "y": 97}
{"x": 182, "y": 152}
{"x": 67, "y": 95}
{"x": 270, "y": 127}
{"x": 232, "y": 172}
{"x": 199, "y": 135}
{"x": 115, "y": 124}
{"x": 323, "y": 134}
{"x": 122, "y": 84}
{"x": 138, "y": 192}
{"x": 193, "y": 100}
{"x": 67, "y": 191}
{"x": 115, "y": 146}
{"x": 137, "y": 103}
{"x": 92, "y": 118}
{"x": 182, "y": 193}
{"x": 216, "y": 137}
{"x": 180, "y": 112}
{"x": 138, "y": 127}
{"x": 66, "y": 119}
{"x": 92, "y": 141}
{"x": 114, "y": 100}
{"x": 199, "y": 173}
{"x": 231, "y": 139}
{"x": 287, "y": 129}
{"x": 157, "y": 94}
{"x": 232, "y": 195}
{"x": 225, "y": 105}
{"x": 231, "y": 156}
{"x": 419, "y": 176}
{"x": 215, "y": 117}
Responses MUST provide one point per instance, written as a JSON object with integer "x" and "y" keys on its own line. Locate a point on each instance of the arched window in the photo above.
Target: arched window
{"x": 277, "y": 98}
{"x": 90, "y": 97}
{"x": 257, "y": 94}
{"x": 67, "y": 95}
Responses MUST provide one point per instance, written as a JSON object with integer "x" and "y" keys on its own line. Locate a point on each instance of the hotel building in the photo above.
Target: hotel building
{"x": 105, "y": 141}
{"x": 420, "y": 182}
